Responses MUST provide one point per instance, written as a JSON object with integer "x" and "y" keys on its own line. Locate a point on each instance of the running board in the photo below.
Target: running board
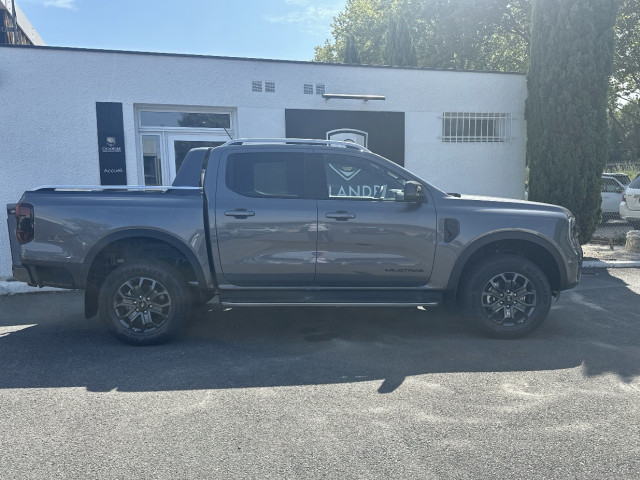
{"x": 330, "y": 298}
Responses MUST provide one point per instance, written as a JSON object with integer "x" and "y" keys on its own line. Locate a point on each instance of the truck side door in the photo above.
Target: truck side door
{"x": 266, "y": 219}
{"x": 368, "y": 236}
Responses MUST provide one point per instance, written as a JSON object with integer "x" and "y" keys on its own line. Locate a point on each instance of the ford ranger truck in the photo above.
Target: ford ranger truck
{"x": 287, "y": 222}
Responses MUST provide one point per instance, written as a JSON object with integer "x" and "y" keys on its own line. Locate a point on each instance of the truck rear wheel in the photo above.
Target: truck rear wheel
{"x": 144, "y": 303}
{"x": 507, "y": 296}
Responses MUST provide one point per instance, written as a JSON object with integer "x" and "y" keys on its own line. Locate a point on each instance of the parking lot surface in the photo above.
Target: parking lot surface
{"x": 325, "y": 393}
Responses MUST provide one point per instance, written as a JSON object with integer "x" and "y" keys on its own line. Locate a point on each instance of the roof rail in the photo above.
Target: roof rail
{"x": 99, "y": 188}
{"x": 296, "y": 141}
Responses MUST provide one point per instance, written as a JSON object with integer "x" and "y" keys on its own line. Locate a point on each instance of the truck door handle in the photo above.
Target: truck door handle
{"x": 341, "y": 215}
{"x": 239, "y": 213}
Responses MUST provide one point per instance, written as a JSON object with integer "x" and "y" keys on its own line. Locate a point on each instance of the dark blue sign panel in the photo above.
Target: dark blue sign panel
{"x": 113, "y": 169}
{"x": 380, "y": 132}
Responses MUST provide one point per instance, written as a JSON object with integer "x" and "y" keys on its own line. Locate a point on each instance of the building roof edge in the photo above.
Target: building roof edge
{"x": 251, "y": 59}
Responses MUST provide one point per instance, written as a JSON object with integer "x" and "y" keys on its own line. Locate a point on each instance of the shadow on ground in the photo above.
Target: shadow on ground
{"x": 45, "y": 342}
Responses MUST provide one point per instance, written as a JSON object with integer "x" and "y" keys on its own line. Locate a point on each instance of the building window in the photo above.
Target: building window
{"x": 462, "y": 127}
{"x": 184, "y": 119}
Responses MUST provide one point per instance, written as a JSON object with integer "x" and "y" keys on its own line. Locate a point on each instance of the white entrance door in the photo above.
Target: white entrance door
{"x": 179, "y": 144}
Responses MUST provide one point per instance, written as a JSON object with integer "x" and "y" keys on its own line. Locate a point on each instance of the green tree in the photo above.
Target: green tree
{"x": 460, "y": 34}
{"x": 624, "y": 135}
{"x": 626, "y": 60}
{"x": 351, "y": 51}
{"x": 624, "y": 98}
{"x": 399, "y": 48}
{"x": 506, "y": 46}
{"x": 454, "y": 33}
{"x": 365, "y": 21}
{"x": 571, "y": 56}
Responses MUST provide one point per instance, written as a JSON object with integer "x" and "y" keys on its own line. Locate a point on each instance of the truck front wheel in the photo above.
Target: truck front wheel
{"x": 507, "y": 296}
{"x": 144, "y": 303}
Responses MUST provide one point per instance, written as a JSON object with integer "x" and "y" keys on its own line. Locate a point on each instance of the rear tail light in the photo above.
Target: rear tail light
{"x": 24, "y": 222}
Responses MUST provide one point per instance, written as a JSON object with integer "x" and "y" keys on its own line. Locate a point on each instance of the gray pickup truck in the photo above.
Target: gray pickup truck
{"x": 292, "y": 223}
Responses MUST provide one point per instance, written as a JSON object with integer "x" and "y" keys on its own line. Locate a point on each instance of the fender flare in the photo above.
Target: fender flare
{"x": 168, "y": 238}
{"x": 481, "y": 242}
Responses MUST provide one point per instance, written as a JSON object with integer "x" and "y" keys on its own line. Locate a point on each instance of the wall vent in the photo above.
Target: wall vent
{"x": 256, "y": 86}
{"x": 270, "y": 87}
{"x": 308, "y": 88}
{"x": 320, "y": 90}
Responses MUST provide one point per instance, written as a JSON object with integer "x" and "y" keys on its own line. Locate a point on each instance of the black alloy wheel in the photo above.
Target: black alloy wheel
{"x": 507, "y": 296}
{"x": 144, "y": 303}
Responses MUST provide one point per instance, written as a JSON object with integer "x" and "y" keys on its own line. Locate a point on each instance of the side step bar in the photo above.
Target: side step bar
{"x": 330, "y": 298}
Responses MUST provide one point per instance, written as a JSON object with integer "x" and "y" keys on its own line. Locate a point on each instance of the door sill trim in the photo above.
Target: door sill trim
{"x": 327, "y": 304}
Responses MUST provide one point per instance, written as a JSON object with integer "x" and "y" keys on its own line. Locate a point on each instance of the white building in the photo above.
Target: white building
{"x": 76, "y": 116}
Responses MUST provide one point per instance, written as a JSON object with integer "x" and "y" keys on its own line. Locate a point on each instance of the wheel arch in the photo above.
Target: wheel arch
{"x": 129, "y": 244}
{"x": 537, "y": 249}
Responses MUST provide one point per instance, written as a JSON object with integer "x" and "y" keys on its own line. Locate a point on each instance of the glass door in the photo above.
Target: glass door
{"x": 152, "y": 160}
{"x": 179, "y": 145}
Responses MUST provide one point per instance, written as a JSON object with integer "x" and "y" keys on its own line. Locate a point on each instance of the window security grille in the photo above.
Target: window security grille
{"x": 320, "y": 89}
{"x": 462, "y": 127}
{"x": 269, "y": 87}
{"x": 256, "y": 86}
{"x": 308, "y": 89}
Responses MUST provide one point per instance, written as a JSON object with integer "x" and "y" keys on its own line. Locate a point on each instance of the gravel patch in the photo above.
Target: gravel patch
{"x": 607, "y": 244}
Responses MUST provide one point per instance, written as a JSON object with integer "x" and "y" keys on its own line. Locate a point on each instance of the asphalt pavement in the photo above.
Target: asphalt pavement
{"x": 325, "y": 393}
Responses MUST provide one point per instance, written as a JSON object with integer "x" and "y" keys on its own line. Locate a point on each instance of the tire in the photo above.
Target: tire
{"x": 525, "y": 301}
{"x": 144, "y": 303}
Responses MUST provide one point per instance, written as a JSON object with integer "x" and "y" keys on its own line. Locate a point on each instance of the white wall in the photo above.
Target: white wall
{"x": 48, "y": 121}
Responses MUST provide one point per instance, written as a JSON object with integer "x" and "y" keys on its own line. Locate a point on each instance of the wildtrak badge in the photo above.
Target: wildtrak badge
{"x": 404, "y": 270}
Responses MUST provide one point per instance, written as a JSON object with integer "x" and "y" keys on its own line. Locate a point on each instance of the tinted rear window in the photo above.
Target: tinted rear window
{"x": 635, "y": 183}
{"x": 266, "y": 174}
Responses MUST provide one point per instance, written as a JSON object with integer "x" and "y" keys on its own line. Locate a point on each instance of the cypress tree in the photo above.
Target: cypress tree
{"x": 351, "y": 51}
{"x": 571, "y": 54}
{"x": 391, "y": 47}
{"x": 399, "y": 48}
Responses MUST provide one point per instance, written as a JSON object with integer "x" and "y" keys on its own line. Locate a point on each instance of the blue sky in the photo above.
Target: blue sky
{"x": 280, "y": 29}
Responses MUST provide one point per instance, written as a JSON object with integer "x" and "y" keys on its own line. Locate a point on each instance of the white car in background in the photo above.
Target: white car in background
{"x": 630, "y": 205}
{"x": 613, "y": 187}
{"x": 623, "y": 178}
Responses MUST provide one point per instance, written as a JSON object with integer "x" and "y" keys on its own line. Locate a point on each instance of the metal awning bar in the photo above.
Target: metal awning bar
{"x": 346, "y": 96}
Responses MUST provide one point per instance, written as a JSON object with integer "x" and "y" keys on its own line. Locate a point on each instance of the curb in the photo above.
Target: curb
{"x": 12, "y": 288}
{"x": 611, "y": 264}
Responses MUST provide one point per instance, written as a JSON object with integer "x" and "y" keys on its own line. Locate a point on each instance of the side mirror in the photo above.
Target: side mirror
{"x": 414, "y": 192}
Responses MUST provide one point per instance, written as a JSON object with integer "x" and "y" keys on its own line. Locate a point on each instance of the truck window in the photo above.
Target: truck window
{"x": 265, "y": 174}
{"x": 356, "y": 178}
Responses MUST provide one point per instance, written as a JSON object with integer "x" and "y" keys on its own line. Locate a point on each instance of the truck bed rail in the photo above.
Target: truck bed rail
{"x": 100, "y": 188}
